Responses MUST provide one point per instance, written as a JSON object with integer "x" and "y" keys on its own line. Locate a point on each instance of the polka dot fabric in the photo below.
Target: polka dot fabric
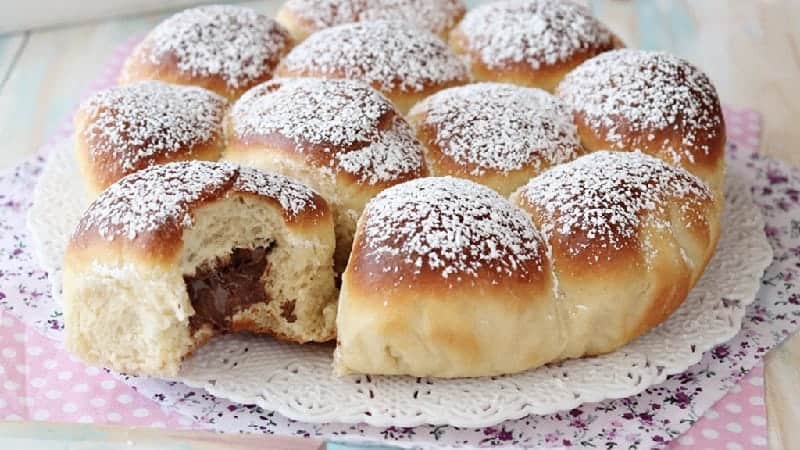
{"x": 40, "y": 381}
{"x": 737, "y": 422}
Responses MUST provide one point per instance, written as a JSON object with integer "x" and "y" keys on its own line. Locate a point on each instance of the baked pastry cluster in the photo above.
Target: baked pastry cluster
{"x": 426, "y": 189}
{"x": 227, "y": 49}
{"x": 403, "y": 62}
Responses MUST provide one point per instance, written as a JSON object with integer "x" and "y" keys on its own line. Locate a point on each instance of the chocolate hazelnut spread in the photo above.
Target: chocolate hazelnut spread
{"x": 221, "y": 288}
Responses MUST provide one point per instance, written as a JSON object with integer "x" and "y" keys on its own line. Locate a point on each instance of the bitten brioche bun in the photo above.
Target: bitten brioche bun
{"x": 174, "y": 254}
{"x": 224, "y": 48}
{"x": 405, "y": 63}
{"x": 629, "y": 236}
{"x": 653, "y": 102}
{"x": 341, "y": 137}
{"x": 304, "y": 17}
{"x": 496, "y": 134}
{"x": 531, "y": 43}
{"x": 124, "y": 129}
{"x": 445, "y": 277}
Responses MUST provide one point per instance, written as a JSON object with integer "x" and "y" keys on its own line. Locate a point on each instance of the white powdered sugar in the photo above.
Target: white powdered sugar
{"x": 449, "y": 226}
{"x": 636, "y": 92}
{"x": 386, "y": 54}
{"x": 153, "y": 198}
{"x": 436, "y": 16}
{"x": 500, "y": 127}
{"x": 315, "y": 111}
{"x": 235, "y": 43}
{"x": 607, "y": 197}
{"x": 340, "y": 121}
{"x": 134, "y": 124}
{"x": 293, "y": 197}
{"x": 395, "y": 154}
{"x": 534, "y": 32}
{"x": 161, "y": 197}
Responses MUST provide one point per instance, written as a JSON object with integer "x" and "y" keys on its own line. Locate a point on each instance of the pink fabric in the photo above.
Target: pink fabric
{"x": 736, "y": 422}
{"x": 41, "y": 381}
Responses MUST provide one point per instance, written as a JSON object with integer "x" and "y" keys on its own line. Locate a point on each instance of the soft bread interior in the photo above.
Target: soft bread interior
{"x": 346, "y": 203}
{"x": 128, "y": 316}
{"x": 299, "y": 267}
{"x": 134, "y": 316}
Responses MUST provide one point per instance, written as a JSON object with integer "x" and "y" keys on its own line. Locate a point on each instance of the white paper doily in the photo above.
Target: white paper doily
{"x": 296, "y": 380}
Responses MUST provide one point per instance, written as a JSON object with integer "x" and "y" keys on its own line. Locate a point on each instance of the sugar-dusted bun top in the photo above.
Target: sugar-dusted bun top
{"x": 445, "y": 232}
{"x": 127, "y": 128}
{"x": 340, "y": 126}
{"x": 595, "y": 208}
{"x": 498, "y": 128}
{"x": 534, "y": 33}
{"x": 659, "y": 103}
{"x": 236, "y": 44}
{"x": 389, "y": 55}
{"x": 436, "y": 16}
{"x": 150, "y": 209}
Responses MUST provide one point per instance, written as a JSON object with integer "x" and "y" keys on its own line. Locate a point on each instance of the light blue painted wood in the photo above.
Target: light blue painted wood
{"x": 49, "y": 76}
{"x": 653, "y": 33}
{"x": 684, "y": 30}
{"x": 10, "y": 46}
{"x": 664, "y": 26}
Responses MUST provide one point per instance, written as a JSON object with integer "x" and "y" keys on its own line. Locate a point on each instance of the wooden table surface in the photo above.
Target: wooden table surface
{"x": 750, "y": 49}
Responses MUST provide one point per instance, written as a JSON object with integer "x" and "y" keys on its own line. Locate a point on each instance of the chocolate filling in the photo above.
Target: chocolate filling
{"x": 221, "y": 288}
{"x": 287, "y": 311}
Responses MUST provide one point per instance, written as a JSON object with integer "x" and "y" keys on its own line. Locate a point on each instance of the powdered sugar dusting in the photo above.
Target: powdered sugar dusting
{"x": 133, "y": 124}
{"x": 153, "y": 198}
{"x": 436, "y": 16}
{"x": 449, "y": 226}
{"x": 534, "y": 32}
{"x": 607, "y": 197}
{"x": 232, "y": 42}
{"x": 293, "y": 197}
{"x": 500, "y": 127}
{"x": 161, "y": 197}
{"x": 316, "y": 111}
{"x": 649, "y": 91}
{"x": 386, "y": 54}
{"x": 341, "y": 121}
{"x": 394, "y": 155}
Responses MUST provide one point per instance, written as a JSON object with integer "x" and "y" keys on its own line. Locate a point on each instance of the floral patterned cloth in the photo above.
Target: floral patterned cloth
{"x": 650, "y": 419}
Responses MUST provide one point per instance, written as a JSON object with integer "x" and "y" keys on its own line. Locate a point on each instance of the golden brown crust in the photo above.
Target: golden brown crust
{"x": 502, "y": 42}
{"x": 327, "y": 124}
{"x": 496, "y": 134}
{"x": 122, "y": 130}
{"x": 402, "y": 98}
{"x": 146, "y": 213}
{"x": 627, "y": 232}
{"x": 601, "y": 209}
{"x": 704, "y": 158}
{"x": 139, "y": 67}
{"x": 439, "y": 234}
{"x": 544, "y": 77}
{"x": 659, "y": 104}
{"x": 444, "y": 277}
{"x": 404, "y": 63}
{"x": 368, "y": 275}
{"x": 175, "y": 52}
